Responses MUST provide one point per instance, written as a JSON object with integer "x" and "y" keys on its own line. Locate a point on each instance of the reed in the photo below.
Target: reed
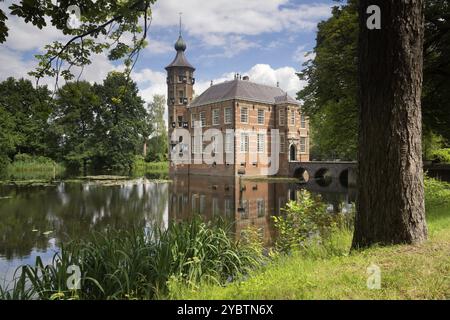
{"x": 140, "y": 264}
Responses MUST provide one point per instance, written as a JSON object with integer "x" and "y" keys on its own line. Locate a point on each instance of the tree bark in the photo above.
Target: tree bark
{"x": 390, "y": 205}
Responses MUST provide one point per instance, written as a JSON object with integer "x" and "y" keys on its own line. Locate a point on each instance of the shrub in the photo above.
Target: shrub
{"x": 441, "y": 155}
{"x": 436, "y": 192}
{"x": 304, "y": 223}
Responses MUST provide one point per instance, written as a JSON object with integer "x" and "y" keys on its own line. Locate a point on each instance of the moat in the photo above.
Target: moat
{"x": 36, "y": 220}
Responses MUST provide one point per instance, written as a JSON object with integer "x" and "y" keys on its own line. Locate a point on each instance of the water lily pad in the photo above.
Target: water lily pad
{"x": 46, "y": 233}
{"x": 34, "y": 230}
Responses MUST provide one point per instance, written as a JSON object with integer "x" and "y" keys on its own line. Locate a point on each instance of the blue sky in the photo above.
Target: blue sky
{"x": 265, "y": 39}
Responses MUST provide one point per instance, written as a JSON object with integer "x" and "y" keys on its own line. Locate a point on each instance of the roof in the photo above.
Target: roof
{"x": 180, "y": 61}
{"x": 243, "y": 90}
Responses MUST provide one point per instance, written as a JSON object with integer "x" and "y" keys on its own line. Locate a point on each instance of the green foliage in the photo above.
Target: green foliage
{"x": 330, "y": 98}
{"x": 140, "y": 264}
{"x": 157, "y": 149}
{"x": 124, "y": 123}
{"x": 436, "y": 192}
{"x": 27, "y": 167}
{"x": 104, "y": 25}
{"x": 29, "y": 109}
{"x": 156, "y": 114}
{"x": 305, "y": 223}
{"x": 441, "y": 155}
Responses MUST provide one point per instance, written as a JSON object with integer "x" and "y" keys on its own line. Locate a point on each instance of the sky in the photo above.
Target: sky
{"x": 268, "y": 40}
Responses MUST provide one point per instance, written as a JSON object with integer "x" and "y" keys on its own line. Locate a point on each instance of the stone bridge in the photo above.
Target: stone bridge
{"x": 325, "y": 175}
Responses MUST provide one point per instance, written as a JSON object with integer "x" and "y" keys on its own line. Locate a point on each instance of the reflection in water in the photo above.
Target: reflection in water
{"x": 243, "y": 202}
{"x": 36, "y": 220}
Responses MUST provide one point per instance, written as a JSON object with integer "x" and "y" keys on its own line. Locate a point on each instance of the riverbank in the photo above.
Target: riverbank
{"x": 407, "y": 271}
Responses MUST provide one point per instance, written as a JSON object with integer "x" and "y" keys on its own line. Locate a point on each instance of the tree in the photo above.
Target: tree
{"x": 8, "y": 138}
{"x": 30, "y": 108}
{"x": 156, "y": 110}
{"x": 157, "y": 144}
{"x": 74, "y": 124}
{"x": 92, "y": 27}
{"x": 390, "y": 206}
{"x": 330, "y": 96}
{"x": 122, "y": 122}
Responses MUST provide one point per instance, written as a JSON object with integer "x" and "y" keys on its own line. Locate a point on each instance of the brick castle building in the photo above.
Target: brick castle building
{"x": 243, "y": 112}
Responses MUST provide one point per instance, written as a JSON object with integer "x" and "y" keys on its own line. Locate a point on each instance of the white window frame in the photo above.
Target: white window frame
{"x": 215, "y": 115}
{"x": 193, "y": 119}
{"x": 263, "y": 118}
{"x": 245, "y": 140}
{"x": 202, "y": 119}
{"x": 260, "y": 142}
{"x": 303, "y": 144}
{"x": 244, "y": 115}
{"x": 229, "y": 142}
{"x": 292, "y": 117}
{"x": 302, "y": 121}
{"x": 228, "y": 115}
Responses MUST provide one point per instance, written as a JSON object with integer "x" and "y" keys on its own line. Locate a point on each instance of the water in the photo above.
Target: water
{"x": 34, "y": 221}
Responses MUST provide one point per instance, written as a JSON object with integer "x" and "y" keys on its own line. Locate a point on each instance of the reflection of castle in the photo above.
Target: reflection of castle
{"x": 248, "y": 109}
{"x": 244, "y": 203}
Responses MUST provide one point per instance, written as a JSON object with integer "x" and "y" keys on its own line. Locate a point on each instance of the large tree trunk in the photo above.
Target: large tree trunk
{"x": 390, "y": 205}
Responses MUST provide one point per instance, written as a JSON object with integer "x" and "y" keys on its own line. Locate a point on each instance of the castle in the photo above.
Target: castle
{"x": 241, "y": 114}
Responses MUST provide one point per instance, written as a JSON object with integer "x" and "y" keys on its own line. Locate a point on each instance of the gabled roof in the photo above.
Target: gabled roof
{"x": 243, "y": 90}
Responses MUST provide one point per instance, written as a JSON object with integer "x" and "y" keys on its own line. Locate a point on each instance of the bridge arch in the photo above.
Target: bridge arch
{"x": 323, "y": 177}
{"x": 302, "y": 174}
{"x": 343, "y": 177}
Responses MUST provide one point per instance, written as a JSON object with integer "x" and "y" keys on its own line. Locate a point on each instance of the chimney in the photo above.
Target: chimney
{"x": 246, "y": 78}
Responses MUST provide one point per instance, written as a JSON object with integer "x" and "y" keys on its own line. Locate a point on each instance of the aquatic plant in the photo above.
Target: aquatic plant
{"x": 138, "y": 264}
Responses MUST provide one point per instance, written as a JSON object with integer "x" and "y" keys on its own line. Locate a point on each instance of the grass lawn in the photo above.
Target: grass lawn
{"x": 407, "y": 272}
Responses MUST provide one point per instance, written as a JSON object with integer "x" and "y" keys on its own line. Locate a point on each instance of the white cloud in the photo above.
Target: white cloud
{"x": 301, "y": 55}
{"x": 150, "y": 83}
{"x": 264, "y": 74}
{"x": 158, "y": 47}
{"x": 228, "y": 24}
{"x": 249, "y": 17}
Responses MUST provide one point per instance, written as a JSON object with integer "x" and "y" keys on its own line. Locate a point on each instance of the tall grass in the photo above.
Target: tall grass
{"x": 140, "y": 264}
{"x": 26, "y": 167}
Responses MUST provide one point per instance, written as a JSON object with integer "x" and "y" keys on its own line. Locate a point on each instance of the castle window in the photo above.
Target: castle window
{"x": 282, "y": 142}
{"x": 203, "y": 119}
{"x": 244, "y": 115}
{"x": 197, "y": 144}
{"x": 180, "y": 78}
{"x": 244, "y": 142}
{"x": 261, "y": 116}
{"x": 193, "y": 120}
{"x": 261, "y": 142}
{"x": 282, "y": 117}
{"x": 215, "y": 117}
{"x": 229, "y": 142}
{"x": 261, "y": 207}
{"x": 302, "y": 121}
{"x": 227, "y": 116}
{"x": 302, "y": 144}
{"x": 292, "y": 119}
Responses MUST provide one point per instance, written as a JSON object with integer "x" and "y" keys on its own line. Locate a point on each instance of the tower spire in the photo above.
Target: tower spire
{"x": 180, "y": 22}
